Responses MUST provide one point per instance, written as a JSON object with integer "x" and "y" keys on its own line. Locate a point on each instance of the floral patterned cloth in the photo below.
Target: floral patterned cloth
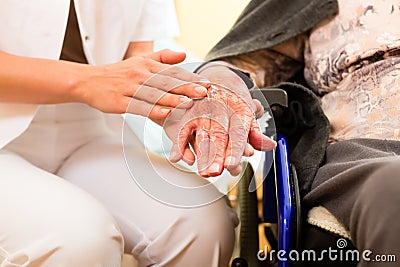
{"x": 353, "y": 58}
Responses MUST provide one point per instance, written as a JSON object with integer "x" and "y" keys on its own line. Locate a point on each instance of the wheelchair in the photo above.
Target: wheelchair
{"x": 284, "y": 225}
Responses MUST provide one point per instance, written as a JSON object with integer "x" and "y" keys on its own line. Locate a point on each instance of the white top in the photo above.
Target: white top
{"x": 36, "y": 28}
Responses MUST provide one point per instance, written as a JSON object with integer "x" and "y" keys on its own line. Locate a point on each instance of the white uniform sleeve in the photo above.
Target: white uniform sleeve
{"x": 157, "y": 21}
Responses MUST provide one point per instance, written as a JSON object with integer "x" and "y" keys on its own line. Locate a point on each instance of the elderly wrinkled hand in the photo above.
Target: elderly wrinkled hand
{"x": 221, "y": 127}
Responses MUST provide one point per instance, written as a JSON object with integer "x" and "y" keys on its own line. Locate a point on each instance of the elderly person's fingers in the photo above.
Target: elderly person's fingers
{"x": 234, "y": 171}
{"x": 188, "y": 156}
{"x": 258, "y": 140}
{"x": 259, "y": 109}
{"x": 237, "y": 143}
{"x": 218, "y": 143}
{"x": 239, "y": 127}
{"x": 202, "y": 146}
{"x": 219, "y": 125}
{"x": 248, "y": 150}
{"x": 181, "y": 141}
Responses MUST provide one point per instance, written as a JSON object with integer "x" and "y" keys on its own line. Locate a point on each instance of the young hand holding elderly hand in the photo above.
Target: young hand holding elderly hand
{"x": 151, "y": 86}
{"x": 221, "y": 127}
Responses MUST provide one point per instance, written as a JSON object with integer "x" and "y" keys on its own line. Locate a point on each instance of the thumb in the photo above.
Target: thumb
{"x": 168, "y": 56}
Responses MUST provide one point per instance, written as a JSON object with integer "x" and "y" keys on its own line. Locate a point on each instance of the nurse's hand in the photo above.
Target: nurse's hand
{"x": 147, "y": 86}
{"x": 222, "y": 127}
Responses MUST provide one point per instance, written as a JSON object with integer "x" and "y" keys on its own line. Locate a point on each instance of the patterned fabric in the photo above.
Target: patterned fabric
{"x": 366, "y": 103}
{"x": 262, "y": 63}
{"x": 269, "y": 67}
{"x": 353, "y": 58}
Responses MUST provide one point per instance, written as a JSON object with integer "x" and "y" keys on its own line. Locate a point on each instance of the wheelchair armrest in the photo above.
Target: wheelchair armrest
{"x": 274, "y": 96}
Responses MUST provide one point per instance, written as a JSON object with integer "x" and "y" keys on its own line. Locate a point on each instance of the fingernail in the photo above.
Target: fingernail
{"x": 214, "y": 168}
{"x": 185, "y": 99}
{"x": 268, "y": 145}
{"x": 236, "y": 171}
{"x": 200, "y": 90}
{"x": 173, "y": 155}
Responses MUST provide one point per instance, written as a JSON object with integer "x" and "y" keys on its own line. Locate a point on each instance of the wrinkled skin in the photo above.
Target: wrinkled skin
{"x": 221, "y": 127}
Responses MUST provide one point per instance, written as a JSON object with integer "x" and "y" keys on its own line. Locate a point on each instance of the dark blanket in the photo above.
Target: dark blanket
{"x": 266, "y": 23}
{"x": 262, "y": 25}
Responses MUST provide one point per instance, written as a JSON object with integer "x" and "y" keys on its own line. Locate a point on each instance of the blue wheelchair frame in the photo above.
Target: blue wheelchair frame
{"x": 281, "y": 198}
{"x": 280, "y": 201}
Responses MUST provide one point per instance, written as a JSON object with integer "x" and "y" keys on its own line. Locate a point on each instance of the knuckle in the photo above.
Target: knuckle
{"x": 219, "y": 132}
{"x": 174, "y": 71}
{"x": 154, "y": 66}
{"x": 164, "y": 83}
{"x": 136, "y": 73}
{"x": 121, "y": 106}
{"x": 172, "y": 100}
{"x": 238, "y": 133}
{"x": 152, "y": 96}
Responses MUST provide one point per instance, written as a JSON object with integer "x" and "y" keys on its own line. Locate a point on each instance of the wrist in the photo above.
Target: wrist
{"x": 76, "y": 82}
{"x": 210, "y": 64}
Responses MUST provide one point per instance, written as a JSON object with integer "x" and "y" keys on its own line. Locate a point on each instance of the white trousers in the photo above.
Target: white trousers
{"x": 69, "y": 199}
